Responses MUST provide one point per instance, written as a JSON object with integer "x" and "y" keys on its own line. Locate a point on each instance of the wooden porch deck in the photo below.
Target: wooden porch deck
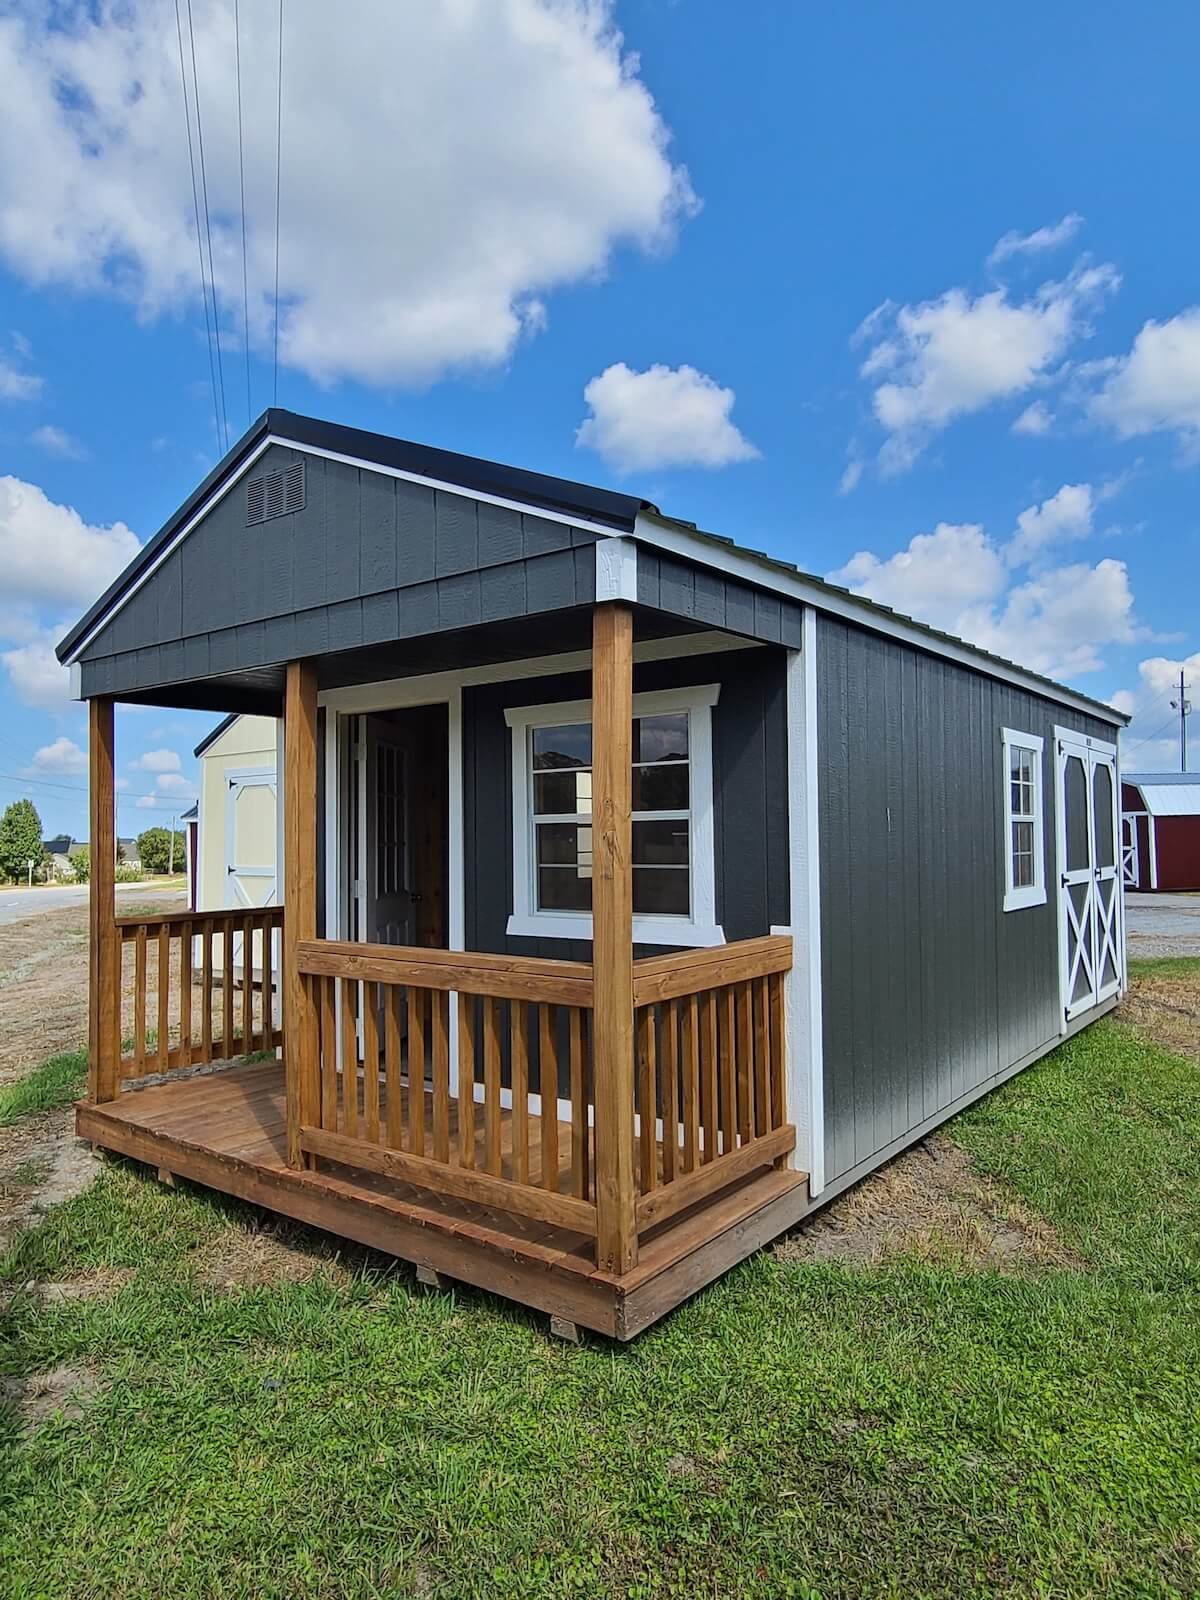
{"x": 228, "y": 1131}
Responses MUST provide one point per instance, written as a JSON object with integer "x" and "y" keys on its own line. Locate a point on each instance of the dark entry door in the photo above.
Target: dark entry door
{"x": 391, "y": 895}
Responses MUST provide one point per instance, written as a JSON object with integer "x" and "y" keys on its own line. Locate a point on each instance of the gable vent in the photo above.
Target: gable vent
{"x": 275, "y": 494}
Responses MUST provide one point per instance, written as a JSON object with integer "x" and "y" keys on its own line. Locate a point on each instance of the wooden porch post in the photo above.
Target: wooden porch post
{"x": 299, "y": 899}
{"x": 612, "y": 935}
{"x": 104, "y": 950}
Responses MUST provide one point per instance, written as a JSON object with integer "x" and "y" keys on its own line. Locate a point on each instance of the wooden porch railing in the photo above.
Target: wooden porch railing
{"x": 510, "y": 1123}
{"x": 403, "y": 1109}
{"x": 711, "y": 1067}
{"x": 176, "y": 977}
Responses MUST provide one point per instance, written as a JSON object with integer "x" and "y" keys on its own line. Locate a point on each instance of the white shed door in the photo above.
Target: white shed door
{"x": 1089, "y": 876}
{"x": 250, "y": 847}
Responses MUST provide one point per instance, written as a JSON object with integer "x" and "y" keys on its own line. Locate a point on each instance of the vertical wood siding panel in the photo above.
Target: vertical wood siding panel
{"x": 310, "y": 536}
{"x": 457, "y": 533}
{"x": 542, "y": 536}
{"x": 343, "y": 522}
{"x": 501, "y": 538}
{"x": 377, "y": 533}
{"x": 416, "y": 534}
{"x": 550, "y": 582}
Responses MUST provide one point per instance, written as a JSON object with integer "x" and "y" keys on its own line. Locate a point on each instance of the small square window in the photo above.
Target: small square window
{"x": 1024, "y": 866}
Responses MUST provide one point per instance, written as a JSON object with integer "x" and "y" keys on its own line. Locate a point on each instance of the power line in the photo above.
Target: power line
{"x": 82, "y": 789}
{"x": 187, "y": 117}
{"x": 237, "y": 46}
{"x": 1158, "y": 732}
{"x": 212, "y": 277}
{"x": 278, "y": 165}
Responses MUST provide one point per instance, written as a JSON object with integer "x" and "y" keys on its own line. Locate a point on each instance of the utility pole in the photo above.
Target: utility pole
{"x": 1184, "y": 706}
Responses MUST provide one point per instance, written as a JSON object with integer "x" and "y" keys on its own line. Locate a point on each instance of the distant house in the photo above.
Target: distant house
{"x": 57, "y": 854}
{"x": 1160, "y": 830}
{"x": 128, "y": 853}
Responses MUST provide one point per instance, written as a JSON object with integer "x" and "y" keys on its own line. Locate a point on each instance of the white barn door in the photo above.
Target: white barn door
{"x": 1130, "y": 856}
{"x": 251, "y": 833}
{"x": 1089, "y": 887}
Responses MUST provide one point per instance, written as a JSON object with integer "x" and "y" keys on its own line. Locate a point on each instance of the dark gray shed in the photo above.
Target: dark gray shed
{"x": 933, "y": 828}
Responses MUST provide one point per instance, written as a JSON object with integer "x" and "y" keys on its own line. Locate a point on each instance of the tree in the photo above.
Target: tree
{"x": 81, "y": 863}
{"x": 20, "y": 839}
{"x": 154, "y": 849}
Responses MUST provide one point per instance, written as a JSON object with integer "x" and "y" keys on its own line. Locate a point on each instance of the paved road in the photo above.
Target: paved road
{"x": 16, "y": 904}
{"x": 1163, "y": 924}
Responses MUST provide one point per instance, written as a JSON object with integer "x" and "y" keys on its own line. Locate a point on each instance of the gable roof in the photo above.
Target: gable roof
{"x": 213, "y": 734}
{"x": 1167, "y": 794}
{"x": 604, "y": 511}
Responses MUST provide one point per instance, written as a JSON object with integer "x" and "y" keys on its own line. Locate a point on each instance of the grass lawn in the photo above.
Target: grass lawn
{"x": 910, "y": 1429}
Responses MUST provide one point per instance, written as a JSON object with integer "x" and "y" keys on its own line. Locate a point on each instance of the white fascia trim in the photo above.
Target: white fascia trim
{"x": 699, "y": 931}
{"x": 1085, "y": 741}
{"x": 393, "y": 693}
{"x": 652, "y": 530}
{"x": 1033, "y": 894}
{"x": 616, "y": 570}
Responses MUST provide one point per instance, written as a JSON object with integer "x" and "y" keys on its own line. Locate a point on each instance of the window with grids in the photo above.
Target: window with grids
{"x": 561, "y": 776}
{"x": 1024, "y": 869}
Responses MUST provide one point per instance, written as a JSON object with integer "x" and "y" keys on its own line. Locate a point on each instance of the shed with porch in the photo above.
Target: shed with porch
{"x": 640, "y": 892}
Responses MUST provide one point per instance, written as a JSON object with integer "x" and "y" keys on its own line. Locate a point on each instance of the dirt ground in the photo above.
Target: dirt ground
{"x": 1165, "y": 1007}
{"x": 43, "y": 983}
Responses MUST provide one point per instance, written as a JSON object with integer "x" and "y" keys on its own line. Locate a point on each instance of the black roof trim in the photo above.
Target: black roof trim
{"x": 211, "y": 737}
{"x": 471, "y": 473}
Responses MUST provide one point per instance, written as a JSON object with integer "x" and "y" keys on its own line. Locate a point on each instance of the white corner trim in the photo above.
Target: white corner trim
{"x": 75, "y": 672}
{"x": 616, "y": 569}
{"x": 1033, "y": 894}
{"x": 700, "y": 929}
{"x": 803, "y": 993}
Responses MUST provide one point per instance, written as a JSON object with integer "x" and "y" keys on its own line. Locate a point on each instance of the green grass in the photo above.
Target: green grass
{"x": 55, "y": 1083}
{"x": 1165, "y": 966}
{"x": 800, "y": 1430}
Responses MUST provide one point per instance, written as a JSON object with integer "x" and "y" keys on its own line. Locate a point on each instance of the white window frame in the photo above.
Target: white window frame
{"x": 698, "y": 930}
{"x": 1033, "y": 894}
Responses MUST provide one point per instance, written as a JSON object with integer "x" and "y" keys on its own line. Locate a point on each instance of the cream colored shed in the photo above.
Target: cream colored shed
{"x": 238, "y": 823}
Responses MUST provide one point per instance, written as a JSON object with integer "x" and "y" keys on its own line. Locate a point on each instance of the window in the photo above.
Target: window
{"x": 1024, "y": 864}
{"x": 672, "y": 858}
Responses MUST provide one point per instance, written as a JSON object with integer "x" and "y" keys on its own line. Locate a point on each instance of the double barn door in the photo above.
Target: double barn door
{"x": 1089, "y": 886}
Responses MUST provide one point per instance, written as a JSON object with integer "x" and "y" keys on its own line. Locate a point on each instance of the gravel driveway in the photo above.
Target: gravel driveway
{"x": 1162, "y": 924}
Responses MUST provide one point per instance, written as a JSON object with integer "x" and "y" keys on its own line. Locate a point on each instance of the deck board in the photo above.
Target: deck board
{"x": 227, "y": 1130}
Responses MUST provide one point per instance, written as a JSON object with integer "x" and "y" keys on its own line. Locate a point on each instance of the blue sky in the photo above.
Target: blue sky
{"x": 906, "y": 295}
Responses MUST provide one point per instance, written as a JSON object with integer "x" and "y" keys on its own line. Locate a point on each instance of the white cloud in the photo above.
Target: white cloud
{"x": 958, "y": 578}
{"x": 936, "y": 578}
{"x": 958, "y": 354}
{"x": 663, "y": 417}
{"x": 171, "y": 792}
{"x": 17, "y": 385}
{"x": 1151, "y": 742}
{"x": 1035, "y": 243}
{"x": 57, "y": 442}
{"x": 157, "y": 761}
{"x": 49, "y": 553}
{"x": 64, "y": 755}
{"x": 444, "y": 168}
{"x": 1036, "y": 420}
{"x": 1157, "y": 385}
{"x": 35, "y": 674}
{"x": 1067, "y": 514}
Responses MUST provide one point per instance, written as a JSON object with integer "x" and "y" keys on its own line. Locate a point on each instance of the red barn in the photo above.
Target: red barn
{"x": 1160, "y": 830}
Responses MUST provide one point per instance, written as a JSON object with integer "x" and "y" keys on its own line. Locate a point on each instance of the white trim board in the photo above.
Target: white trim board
{"x": 764, "y": 574}
{"x": 1033, "y": 894}
{"x": 698, "y": 930}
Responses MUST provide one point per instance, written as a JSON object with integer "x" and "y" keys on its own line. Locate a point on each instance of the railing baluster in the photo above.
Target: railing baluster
{"x": 745, "y": 1063}
{"x": 163, "y": 1020}
{"x": 691, "y": 1084}
{"x": 228, "y": 1008}
{"x": 329, "y": 1054}
{"x": 185, "y": 995}
{"x": 440, "y": 1053}
{"x": 370, "y": 1002}
{"x": 466, "y": 1080}
{"x": 778, "y": 1056}
{"x": 392, "y": 1065}
{"x": 518, "y": 1031}
{"x": 670, "y": 1090}
{"x": 206, "y": 991}
{"x": 247, "y": 984}
{"x": 417, "y": 999}
{"x": 762, "y": 1059}
{"x": 728, "y": 1038}
{"x": 548, "y": 1089}
{"x": 350, "y": 1057}
{"x": 648, "y": 1080}
{"x": 491, "y": 1085}
{"x": 139, "y": 1001}
{"x": 708, "y": 1074}
{"x": 579, "y": 1105}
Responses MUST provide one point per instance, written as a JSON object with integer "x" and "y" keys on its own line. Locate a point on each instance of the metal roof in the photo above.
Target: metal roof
{"x": 1167, "y": 794}
{"x": 606, "y": 507}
